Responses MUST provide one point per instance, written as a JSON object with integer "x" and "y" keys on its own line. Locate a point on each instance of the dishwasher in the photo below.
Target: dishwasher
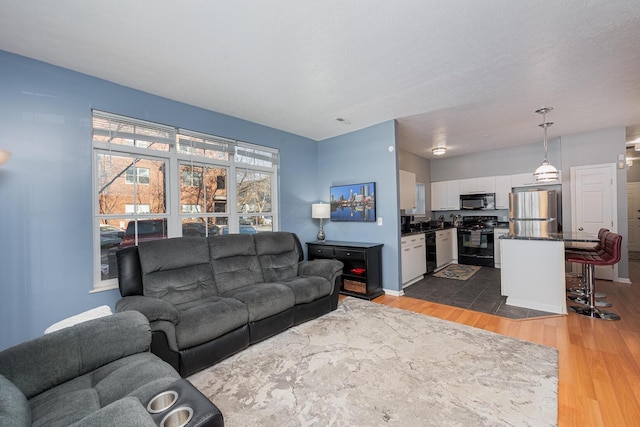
{"x": 430, "y": 243}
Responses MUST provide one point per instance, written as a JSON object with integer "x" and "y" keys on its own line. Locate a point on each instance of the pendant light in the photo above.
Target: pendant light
{"x": 546, "y": 171}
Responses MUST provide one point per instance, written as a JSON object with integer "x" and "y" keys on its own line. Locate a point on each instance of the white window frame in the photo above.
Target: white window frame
{"x": 241, "y": 155}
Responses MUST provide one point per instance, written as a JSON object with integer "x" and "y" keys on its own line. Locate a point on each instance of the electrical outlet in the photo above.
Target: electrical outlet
{"x": 379, "y": 220}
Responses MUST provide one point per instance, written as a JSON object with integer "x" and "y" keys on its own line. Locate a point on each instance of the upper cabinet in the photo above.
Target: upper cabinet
{"x": 486, "y": 184}
{"x": 522, "y": 179}
{"x": 407, "y": 189}
{"x": 445, "y": 195}
{"x": 503, "y": 188}
{"x": 527, "y": 179}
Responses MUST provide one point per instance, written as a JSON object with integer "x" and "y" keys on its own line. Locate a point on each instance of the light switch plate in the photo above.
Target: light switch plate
{"x": 379, "y": 220}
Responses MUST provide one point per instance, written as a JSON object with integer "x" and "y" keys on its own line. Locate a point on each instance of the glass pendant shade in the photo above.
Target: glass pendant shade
{"x": 546, "y": 172}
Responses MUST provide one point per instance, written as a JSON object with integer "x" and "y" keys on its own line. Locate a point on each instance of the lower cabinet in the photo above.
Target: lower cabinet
{"x": 362, "y": 271}
{"x": 497, "y": 244}
{"x": 414, "y": 258}
{"x": 446, "y": 247}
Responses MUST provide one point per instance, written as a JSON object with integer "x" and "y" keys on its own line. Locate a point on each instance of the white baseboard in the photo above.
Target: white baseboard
{"x": 393, "y": 292}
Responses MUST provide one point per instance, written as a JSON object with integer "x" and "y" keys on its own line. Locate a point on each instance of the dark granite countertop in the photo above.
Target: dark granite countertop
{"x": 566, "y": 236}
{"x": 428, "y": 230}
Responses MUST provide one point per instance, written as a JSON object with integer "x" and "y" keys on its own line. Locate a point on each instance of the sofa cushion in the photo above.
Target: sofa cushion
{"x": 278, "y": 255}
{"x": 127, "y": 411}
{"x": 264, "y": 299}
{"x": 14, "y": 408}
{"x": 204, "y": 320}
{"x": 177, "y": 270}
{"x": 140, "y": 375}
{"x": 308, "y": 289}
{"x": 234, "y": 261}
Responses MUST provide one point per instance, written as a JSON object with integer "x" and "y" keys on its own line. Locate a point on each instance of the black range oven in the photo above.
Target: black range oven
{"x": 475, "y": 240}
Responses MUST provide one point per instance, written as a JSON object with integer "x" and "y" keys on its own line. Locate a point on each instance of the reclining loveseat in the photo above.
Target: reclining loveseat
{"x": 208, "y": 298}
{"x": 97, "y": 373}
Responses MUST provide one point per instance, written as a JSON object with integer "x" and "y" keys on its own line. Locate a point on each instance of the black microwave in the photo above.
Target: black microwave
{"x": 478, "y": 201}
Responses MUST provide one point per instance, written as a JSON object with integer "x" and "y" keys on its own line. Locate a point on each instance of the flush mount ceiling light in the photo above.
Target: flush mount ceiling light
{"x": 546, "y": 171}
{"x": 439, "y": 151}
{"x": 4, "y": 156}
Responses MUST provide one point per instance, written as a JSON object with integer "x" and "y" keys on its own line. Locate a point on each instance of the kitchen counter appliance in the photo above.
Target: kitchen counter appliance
{"x": 476, "y": 240}
{"x": 478, "y": 202}
{"x": 534, "y": 213}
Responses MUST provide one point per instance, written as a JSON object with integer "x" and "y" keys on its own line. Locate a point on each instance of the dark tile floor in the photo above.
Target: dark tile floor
{"x": 481, "y": 292}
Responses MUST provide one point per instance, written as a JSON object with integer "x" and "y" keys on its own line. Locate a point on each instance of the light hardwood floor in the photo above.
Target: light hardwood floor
{"x": 599, "y": 361}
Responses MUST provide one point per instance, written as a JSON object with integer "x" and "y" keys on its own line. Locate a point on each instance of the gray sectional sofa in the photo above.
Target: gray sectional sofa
{"x": 207, "y": 298}
{"x": 96, "y": 373}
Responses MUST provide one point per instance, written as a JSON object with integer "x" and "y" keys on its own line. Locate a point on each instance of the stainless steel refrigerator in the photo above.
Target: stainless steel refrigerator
{"x": 534, "y": 213}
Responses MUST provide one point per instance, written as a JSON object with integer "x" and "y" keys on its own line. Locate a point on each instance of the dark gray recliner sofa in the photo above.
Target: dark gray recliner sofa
{"x": 96, "y": 373}
{"x": 208, "y": 298}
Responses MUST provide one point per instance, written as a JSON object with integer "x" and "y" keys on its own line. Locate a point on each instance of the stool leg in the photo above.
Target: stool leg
{"x": 580, "y": 294}
{"x": 592, "y": 310}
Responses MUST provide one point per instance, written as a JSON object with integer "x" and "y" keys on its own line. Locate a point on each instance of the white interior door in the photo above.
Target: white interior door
{"x": 594, "y": 204}
{"x": 633, "y": 206}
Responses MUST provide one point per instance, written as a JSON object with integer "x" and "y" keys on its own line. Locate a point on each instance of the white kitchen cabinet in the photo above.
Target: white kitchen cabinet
{"x": 497, "y": 245}
{"x": 407, "y": 189}
{"x": 486, "y": 184}
{"x": 503, "y": 188}
{"x": 445, "y": 195}
{"x": 522, "y": 179}
{"x": 414, "y": 258}
{"x": 453, "y": 195}
{"x": 527, "y": 180}
{"x": 445, "y": 246}
{"x": 439, "y": 196}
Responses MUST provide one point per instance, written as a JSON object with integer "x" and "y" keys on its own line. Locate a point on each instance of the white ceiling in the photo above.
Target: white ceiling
{"x": 468, "y": 74}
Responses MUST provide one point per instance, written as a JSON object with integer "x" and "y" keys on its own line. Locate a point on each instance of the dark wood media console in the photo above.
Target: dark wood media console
{"x": 362, "y": 273}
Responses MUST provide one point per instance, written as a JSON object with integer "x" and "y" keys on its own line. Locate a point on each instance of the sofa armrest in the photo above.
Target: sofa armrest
{"x": 47, "y": 361}
{"x": 152, "y": 308}
{"x": 14, "y": 408}
{"x": 330, "y": 269}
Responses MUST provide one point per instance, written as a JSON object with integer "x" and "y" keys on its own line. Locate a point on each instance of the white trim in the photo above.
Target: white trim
{"x": 393, "y": 292}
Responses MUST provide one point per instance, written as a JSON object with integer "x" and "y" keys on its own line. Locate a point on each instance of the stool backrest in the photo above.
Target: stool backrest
{"x": 601, "y": 233}
{"x": 611, "y": 245}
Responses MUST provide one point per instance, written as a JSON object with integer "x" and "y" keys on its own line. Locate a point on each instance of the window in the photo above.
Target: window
{"x": 153, "y": 181}
{"x": 137, "y": 175}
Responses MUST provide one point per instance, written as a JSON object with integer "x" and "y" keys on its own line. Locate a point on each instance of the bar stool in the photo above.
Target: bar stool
{"x": 579, "y": 293}
{"x": 605, "y": 253}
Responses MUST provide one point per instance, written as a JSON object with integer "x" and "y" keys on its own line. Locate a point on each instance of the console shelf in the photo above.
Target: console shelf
{"x": 362, "y": 272}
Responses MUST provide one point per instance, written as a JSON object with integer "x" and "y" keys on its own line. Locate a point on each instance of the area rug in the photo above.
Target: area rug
{"x": 457, "y": 271}
{"x": 366, "y": 364}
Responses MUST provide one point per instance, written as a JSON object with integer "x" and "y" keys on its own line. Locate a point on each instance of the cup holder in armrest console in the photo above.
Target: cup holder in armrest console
{"x": 182, "y": 405}
{"x": 162, "y": 402}
{"x": 179, "y": 417}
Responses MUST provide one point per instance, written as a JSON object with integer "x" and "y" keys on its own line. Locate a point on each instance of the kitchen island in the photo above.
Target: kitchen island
{"x": 533, "y": 269}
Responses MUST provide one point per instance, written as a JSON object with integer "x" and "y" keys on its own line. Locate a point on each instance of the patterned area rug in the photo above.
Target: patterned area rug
{"x": 457, "y": 271}
{"x": 366, "y": 364}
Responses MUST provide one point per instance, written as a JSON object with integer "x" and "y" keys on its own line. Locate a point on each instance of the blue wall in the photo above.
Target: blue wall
{"x": 45, "y": 188}
{"x": 364, "y": 156}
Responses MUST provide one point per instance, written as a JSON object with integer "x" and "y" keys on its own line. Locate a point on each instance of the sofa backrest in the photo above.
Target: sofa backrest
{"x": 177, "y": 270}
{"x": 278, "y": 253}
{"x": 47, "y": 361}
{"x": 234, "y": 261}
